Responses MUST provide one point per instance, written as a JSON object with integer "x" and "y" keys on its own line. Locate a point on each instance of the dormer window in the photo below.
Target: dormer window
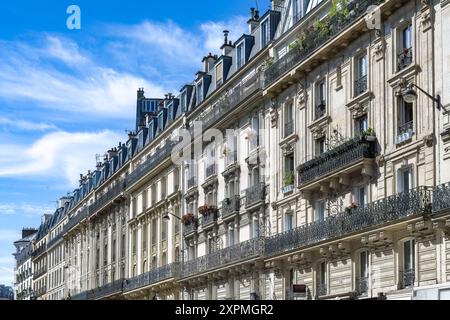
{"x": 265, "y": 33}
{"x": 184, "y": 101}
{"x": 199, "y": 92}
{"x": 160, "y": 122}
{"x": 219, "y": 74}
{"x": 240, "y": 55}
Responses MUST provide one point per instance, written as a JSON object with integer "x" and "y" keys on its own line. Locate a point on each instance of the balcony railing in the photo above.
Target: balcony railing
{"x": 314, "y": 39}
{"x": 209, "y": 218}
{"x": 108, "y": 289}
{"x": 230, "y": 206}
{"x": 40, "y": 273}
{"x": 79, "y": 296}
{"x": 405, "y": 131}
{"x": 407, "y": 278}
{"x": 441, "y": 198}
{"x": 405, "y": 58}
{"x": 55, "y": 240}
{"x": 190, "y": 228}
{"x": 153, "y": 276}
{"x": 384, "y": 211}
{"x": 233, "y": 254}
{"x": 192, "y": 182}
{"x": 320, "y": 111}
{"x": 288, "y": 128}
{"x": 210, "y": 170}
{"x": 72, "y": 222}
{"x": 107, "y": 197}
{"x": 254, "y": 194}
{"x": 347, "y": 153}
{"x": 41, "y": 249}
{"x": 229, "y": 101}
{"x": 41, "y": 291}
{"x": 151, "y": 162}
{"x": 362, "y": 285}
{"x": 360, "y": 85}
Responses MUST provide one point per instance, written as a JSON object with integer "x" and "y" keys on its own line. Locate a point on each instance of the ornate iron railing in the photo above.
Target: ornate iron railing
{"x": 288, "y": 128}
{"x": 73, "y": 221}
{"x": 345, "y": 154}
{"x": 192, "y": 182}
{"x": 320, "y": 110}
{"x": 407, "y": 278}
{"x": 153, "y": 276}
{"x": 441, "y": 198}
{"x": 107, "y": 197}
{"x": 362, "y": 285}
{"x": 190, "y": 228}
{"x": 314, "y": 39}
{"x": 231, "y": 206}
{"x": 41, "y": 249}
{"x": 380, "y": 212}
{"x": 210, "y": 170}
{"x": 254, "y": 194}
{"x": 55, "y": 240}
{"x": 229, "y": 101}
{"x": 152, "y": 161}
{"x": 360, "y": 85}
{"x": 405, "y": 58}
{"x": 79, "y": 296}
{"x": 208, "y": 219}
{"x": 239, "y": 252}
{"x": 108, "y": 289}
{"x": 40, "y": 272}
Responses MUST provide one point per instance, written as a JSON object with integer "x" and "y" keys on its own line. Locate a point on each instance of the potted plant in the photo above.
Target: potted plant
{"x": 203, "y": 210}
{"x": 288, "y": 179}
{"x": 369, "y": 134}
{"x": 187, "y": 219}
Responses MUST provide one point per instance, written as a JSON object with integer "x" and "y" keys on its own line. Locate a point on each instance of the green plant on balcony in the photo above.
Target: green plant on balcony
{"x": 369, "y": 134}
{"x": 299, "y": 43}
{"x": 268, "y": 62}
{"x": 288, "y": 179}
{"x": 323, "y": 27}
{"x": 206, "y": 209}
{"x": 338, "y": 11}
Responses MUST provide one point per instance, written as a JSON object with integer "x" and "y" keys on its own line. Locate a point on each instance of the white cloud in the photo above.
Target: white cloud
{"x": 88, "y": 88}
{"x": 57, "y": 154}
{"x": 26, "y": 209}
{"x": 26, "y": 125}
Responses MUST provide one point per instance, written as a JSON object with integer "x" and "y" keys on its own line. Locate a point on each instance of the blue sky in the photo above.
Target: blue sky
{"x": 67, "y": 95}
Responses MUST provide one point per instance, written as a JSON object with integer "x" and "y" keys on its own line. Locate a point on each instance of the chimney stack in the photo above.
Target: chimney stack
{"x": 253, "y": 22}
{"x": 209, "y": 62}
{"x": 140, "y": 93}
{"x": 26, "y": 232}
{"x": 227, "y": 44}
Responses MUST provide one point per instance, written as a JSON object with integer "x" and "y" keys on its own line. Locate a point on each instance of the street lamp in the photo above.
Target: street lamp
{"x": 167, "y": 215}
{"x": 409, "y": 95}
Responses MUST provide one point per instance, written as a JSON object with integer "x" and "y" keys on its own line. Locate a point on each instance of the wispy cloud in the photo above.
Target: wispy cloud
{"x": 57, "y": 155}
{"x": 26, "y": 125}
{"x": 26, "y": 209}
{"x": 9, "y": 236}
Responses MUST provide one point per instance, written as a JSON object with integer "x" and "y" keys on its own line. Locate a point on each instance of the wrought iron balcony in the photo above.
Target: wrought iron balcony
{"x": 240, "y": 252}
{"x": 346, "y": 154}
{"x": 378, "y": 213}
{"x": 192, "y": 182}
{"x": 38, "y": 251}
{"x": 229, "y": 101}
{"x": 151, "y": 162}
{"x": 314, "y": 39}
{"x": 55, "y": 240}
{"x": 288, "y": 128}
{"x": 75, "y": 220}
{"x": 362, "y": 285}
{"x": 405, "y": 58}
{"x": 231, "y": 206}
{"x": 109, "y": 196}
{"x": 441, "y": 198}
{"x": 209, "y": 218}
{"x": 254, "y": 194}
{"x": 109, "y": 289}
{"x": 190, "y": 228}
{"x": 79, "y": 296}
{"x": 210, "y": 170}
{"x": 407, "y": 278}
{"x": 361, "y": 85}
{"x": 405, "y": 131}
{"x": 320, "y": 110}
{"x": 153, "y": 276}
{"x": 40, "y": 272}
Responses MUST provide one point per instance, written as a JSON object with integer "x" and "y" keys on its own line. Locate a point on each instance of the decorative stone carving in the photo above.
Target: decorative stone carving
{"x": 318, "y": 132}
{"x": 426, "y": 18}
{"x": 379, "y": 49}
{"x": 301, "y": 97}
{"x": 428, "y": 141}
{"x": 274, "y": 117}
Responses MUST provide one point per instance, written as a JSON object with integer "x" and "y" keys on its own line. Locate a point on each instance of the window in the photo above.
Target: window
{"x": 321, "y": 94}
{"x": 322, "y": 281}
{"x": 361, "y": 75}
{"x": 408, "y": 272}
{"x": 161, "y": 121}
{"x": 405, "y": 121}
{"x": 406, "y": 45}
{"x": 288, "y": 221}
{"x": 360, "y": 125}
{"x": 289, "y": 120}
{"x": 219, "y": 74}
{"x": 231, "y": 240}
{"x": 240, "y": 55}
{"x": 405, "y": 180}
{"x": 363, "y": 272}
{"x": 320, "y": 146}
{"x": 319, "y": 211}
{"x": 360, "y": 196}
{"x": 254, "y": 139}
{"x": 164, "y": 231}
{"x": 184, "y": 101}
{"x": 288, "y": 178}
{"x": 199, "y": 92}
{"x": 265, "y": 33}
